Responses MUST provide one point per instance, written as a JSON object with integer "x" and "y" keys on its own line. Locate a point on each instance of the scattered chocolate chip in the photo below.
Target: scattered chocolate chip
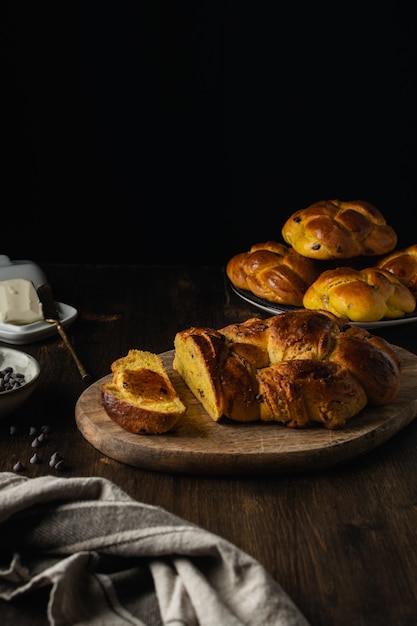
{"x": 55, "y": 458}
{"x": 60, "y": 465}
{"x": 42, "y": 437}
{"x": 45, "y": 429}
{"x": 18, "y": 467}
{"x": 33, "y": 431}
{"x": 36, "y": 443}
{"x": 35, "y": 459}
{"x": 13, "y": 430}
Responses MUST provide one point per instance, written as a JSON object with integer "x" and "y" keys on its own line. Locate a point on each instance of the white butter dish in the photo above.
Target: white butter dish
{"x": 35, "y": 331}
{"x": 21, "y": 269}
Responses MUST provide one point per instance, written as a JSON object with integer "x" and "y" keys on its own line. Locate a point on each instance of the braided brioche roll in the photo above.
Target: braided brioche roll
{"x": 274, "y": 272}
{"x": 298, "y": 368}
{"x": 332, "y": 229}
{"x": 403, "y": 265}
{"x": 367, "y": 295}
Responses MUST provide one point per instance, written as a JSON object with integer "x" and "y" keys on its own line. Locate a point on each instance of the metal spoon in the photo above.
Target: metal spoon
{"x": 51, "y": 315}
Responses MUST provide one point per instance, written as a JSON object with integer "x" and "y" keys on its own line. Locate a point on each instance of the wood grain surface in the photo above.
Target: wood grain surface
{"x": 340, "y": 540}
{"x": 202, "y": 446}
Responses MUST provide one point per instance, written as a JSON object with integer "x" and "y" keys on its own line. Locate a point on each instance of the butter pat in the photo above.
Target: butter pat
{"x": 19, "y": 302}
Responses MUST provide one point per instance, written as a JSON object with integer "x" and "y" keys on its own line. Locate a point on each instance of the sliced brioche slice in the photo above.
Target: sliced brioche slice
{"x": 199, "y": 357}
{"x": 140, "y": 397}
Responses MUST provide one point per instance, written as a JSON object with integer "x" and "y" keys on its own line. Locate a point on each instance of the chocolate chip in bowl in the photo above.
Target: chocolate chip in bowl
{"x": 19, "y": 377}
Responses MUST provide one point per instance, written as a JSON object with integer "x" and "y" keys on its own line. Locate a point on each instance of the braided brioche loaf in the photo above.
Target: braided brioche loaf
{"x": 367, "y": 295}
{"x": 332, "y": 229}
{"x": 273, "y": 271}
{"x": 403, "y": 265}
{"x": 298, "y": 368}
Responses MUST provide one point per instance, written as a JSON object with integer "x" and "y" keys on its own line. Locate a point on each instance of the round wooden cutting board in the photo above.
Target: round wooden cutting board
{"x": 202, "y": 446}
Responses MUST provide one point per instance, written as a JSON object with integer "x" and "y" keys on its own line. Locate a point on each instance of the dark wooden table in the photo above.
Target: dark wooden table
{"x": 341, "y": 541}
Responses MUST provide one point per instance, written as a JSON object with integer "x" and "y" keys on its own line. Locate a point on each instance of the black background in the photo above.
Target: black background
{"x": 183, "y": 132}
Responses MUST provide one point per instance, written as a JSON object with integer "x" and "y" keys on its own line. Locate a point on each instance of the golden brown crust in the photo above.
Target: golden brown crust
{"x": 333, "y": 229}
{"x": 194, "y": 346}
{"x": 367, "y": 295}
{"x": 372, "y": 360}
{"x": 403, "y": 265}
{"x": 298, "y": 368}
{"x": 239, "y": 389}
{"x": 295, "y": 334}
{"x": 322, "y": 336}
{"x": 140, "y": 397}
{"x": 138, "y": 420}
{"x": 274, "y": 272}
{"x": 306, "y": 392}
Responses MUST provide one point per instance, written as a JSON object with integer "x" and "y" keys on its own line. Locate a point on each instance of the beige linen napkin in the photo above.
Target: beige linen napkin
{"x": 109, "y": 560}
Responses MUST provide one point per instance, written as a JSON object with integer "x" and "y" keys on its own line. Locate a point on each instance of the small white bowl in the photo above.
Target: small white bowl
{"x": 21, "y": 363}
